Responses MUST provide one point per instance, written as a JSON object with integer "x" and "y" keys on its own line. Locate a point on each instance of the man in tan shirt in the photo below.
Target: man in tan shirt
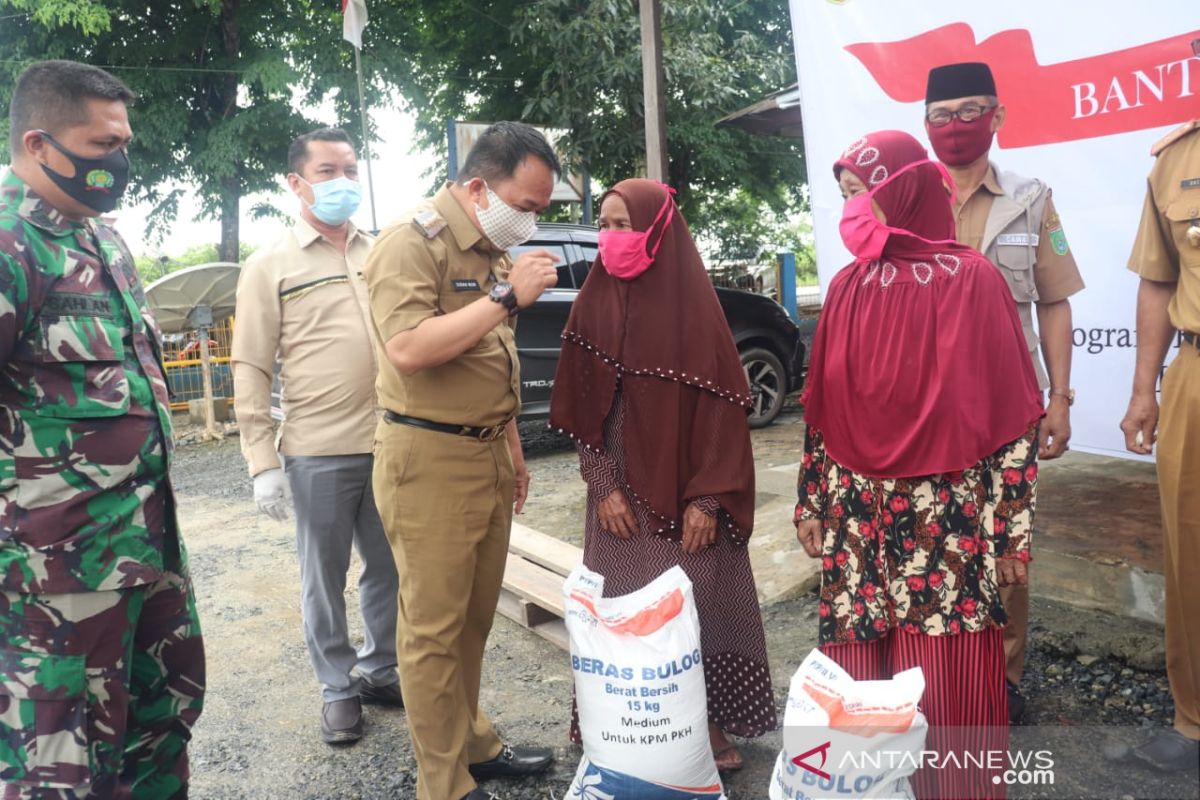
{"x": 1166, "y": 255}
{"x": 449, "y": 468}
{"x": 303, "y": 298}
{"x": 1011, "y": 220}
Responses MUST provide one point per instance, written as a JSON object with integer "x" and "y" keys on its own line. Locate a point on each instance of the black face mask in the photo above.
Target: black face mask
{"x": 98, "y": 182}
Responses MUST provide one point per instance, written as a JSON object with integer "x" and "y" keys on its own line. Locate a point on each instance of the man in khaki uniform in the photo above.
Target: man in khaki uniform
{"x": 1011, "y": 220}
{"x": 449, "y": 467}
{"x": 303, "y": 297}
{"x": 1166, "y": 254}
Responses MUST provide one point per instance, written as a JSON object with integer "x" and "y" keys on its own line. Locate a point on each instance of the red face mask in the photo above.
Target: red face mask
{"x": 959, "y": 143}
{"x": 626, "y": 254}
{"x": 864, "y": 234}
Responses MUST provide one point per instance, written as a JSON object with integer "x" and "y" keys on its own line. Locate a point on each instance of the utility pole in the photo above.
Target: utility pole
{"x": 653, "y": 91}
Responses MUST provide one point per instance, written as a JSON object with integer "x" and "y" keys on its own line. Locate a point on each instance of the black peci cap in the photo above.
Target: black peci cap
{"x": 959, "y": 80}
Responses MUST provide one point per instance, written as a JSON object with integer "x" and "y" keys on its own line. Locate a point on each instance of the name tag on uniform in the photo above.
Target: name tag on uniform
{"x": 1022, "y": 239}
{"x": 465, "y": 285}
{"x": 1190, "y": 183}
{"x": 71, "y": 304}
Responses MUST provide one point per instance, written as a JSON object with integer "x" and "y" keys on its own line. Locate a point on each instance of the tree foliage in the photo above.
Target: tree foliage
{"x": 224, "y": 85}
{"x": 152, "y": 268}
{"x": 577, "y": 65}
{"x": 221, "y": 85}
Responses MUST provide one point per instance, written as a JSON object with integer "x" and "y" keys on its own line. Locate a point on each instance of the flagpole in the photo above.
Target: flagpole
{"x": 362, "y": 111}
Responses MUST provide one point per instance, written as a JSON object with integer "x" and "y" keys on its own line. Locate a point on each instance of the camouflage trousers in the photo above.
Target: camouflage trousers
{"x": 99, "y": 692}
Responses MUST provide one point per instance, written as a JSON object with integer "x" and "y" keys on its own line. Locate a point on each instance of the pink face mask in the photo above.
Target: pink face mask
{"x": 864, "y": 234}
{"x": 624, "y": 253}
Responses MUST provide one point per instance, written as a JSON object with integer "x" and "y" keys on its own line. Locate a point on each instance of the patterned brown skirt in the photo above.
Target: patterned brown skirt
{"x": 733, "y": 644}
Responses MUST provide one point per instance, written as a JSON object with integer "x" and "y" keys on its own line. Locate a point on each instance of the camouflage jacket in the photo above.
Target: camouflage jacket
{"x": 85, "y": 425}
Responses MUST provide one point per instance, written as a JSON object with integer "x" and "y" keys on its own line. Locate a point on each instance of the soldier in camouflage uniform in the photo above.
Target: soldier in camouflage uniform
{"x": 101, "y": 660}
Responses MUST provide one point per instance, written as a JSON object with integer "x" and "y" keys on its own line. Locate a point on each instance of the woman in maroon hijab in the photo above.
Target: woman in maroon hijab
{"x": 650, "y": 387}
{"x": 917, "y": 484}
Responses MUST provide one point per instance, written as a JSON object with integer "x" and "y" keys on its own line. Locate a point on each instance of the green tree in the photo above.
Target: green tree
{"x": 220, "y": 85}
{"x": 576, "y": 65}
{"x": 152, "y": 268}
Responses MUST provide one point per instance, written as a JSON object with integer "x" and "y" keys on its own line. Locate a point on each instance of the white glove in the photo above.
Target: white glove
{"x": 272, "y": 494}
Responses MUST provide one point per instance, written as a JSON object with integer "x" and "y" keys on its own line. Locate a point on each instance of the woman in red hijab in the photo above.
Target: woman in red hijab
{"x": 917, "y": 484}
{"x": 651, "y": 388}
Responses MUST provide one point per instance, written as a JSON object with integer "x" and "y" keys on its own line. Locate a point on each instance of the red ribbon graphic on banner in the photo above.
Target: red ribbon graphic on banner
{"x": 1146, "y": 86}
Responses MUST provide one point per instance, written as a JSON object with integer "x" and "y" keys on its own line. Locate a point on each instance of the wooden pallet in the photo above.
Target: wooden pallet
{"x": 531, "y": 594}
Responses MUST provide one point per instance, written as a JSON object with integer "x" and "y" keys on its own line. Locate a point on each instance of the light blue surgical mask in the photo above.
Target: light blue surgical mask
{"x": 335, "y": 201}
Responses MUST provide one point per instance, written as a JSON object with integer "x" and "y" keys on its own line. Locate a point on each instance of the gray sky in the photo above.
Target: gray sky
{"x": 398, "y": 179}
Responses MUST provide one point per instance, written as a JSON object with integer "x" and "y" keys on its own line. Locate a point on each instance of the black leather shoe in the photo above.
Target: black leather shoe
{"x": 480, "y": 794}
{"x": 514, "y": 762}
{"x": 1170, "y": 751}
{"x": 1016, "y": 703}
{"x": 381, "y": 695}
{"x": 341, "y": 721}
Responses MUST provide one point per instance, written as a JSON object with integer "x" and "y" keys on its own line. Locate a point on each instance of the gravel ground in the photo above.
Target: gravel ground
{"x": 258, "y": 736}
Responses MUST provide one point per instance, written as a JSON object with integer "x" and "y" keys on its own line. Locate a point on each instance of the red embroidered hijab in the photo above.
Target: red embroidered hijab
{"x": 919, "y": 364}
{"x": 664, "y": 336}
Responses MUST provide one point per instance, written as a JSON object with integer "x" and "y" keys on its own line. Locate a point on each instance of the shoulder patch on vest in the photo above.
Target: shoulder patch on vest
{"x": 1058, "y": 238}
{"x": 430, "y": 223}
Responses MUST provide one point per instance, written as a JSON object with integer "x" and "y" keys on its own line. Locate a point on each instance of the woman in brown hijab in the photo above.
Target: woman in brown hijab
{"x": 650, "y": 387}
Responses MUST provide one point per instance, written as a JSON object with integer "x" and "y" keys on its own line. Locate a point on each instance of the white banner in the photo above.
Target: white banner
{"x": 1089, "y": 88}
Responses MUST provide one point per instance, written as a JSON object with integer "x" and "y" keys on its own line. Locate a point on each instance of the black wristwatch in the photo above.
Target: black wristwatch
{"x": 503, "y": 294}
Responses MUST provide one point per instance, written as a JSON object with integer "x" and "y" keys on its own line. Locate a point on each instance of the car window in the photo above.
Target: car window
{"x": 564, "y": 266}
{"x": 580, "y": 268}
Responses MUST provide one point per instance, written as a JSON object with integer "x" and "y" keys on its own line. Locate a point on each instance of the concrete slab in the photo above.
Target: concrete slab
{"x": 1102, "y": 509}
{"x": 781, "y": 569}
{"x": 779, "y": 480}
{"x": 1098, "y": 536}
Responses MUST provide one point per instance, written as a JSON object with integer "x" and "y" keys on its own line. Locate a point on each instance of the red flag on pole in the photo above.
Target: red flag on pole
{"x": 354, "y": 19}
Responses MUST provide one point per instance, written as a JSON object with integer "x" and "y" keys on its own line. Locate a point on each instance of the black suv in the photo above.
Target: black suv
{"x": 768, "y": 341}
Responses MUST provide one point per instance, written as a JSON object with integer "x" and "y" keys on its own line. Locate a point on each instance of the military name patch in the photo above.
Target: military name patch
{"x": 1024, "y": 239}
{"x": 466, "y": 285}
{"x": 72, "y": 304}
{"x": 1190, "y": 183}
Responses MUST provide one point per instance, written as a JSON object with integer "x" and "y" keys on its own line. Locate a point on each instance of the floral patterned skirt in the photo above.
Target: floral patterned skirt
{"x": 919, "y": 554}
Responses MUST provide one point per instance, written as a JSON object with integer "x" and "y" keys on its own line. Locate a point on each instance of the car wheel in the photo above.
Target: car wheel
{"x": 768, "y": 385}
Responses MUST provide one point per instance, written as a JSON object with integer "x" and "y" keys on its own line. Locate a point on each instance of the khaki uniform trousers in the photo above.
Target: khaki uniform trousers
{"x": 1179, "y": 484}
{"x": 1016, "y": 632}
{"x": 446, "y": 504}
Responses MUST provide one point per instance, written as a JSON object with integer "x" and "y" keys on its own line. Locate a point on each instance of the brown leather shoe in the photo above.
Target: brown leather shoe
{"x": 341, "y": 721}
{"x": 381, "y": 695}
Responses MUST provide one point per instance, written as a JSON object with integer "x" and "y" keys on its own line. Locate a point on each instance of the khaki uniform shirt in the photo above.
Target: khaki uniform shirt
{"x": 304, "y": 300}
{"x": 434, "y": 262}
{"x": 1162, "y": 251}
{"x": 1055, "y": 276}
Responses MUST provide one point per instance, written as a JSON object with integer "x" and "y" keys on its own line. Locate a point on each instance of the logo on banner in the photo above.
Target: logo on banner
{"x": 1145, "y": 86}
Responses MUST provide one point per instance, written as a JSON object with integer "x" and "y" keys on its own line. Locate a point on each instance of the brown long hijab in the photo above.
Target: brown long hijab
{"x": 664, "y": 336}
